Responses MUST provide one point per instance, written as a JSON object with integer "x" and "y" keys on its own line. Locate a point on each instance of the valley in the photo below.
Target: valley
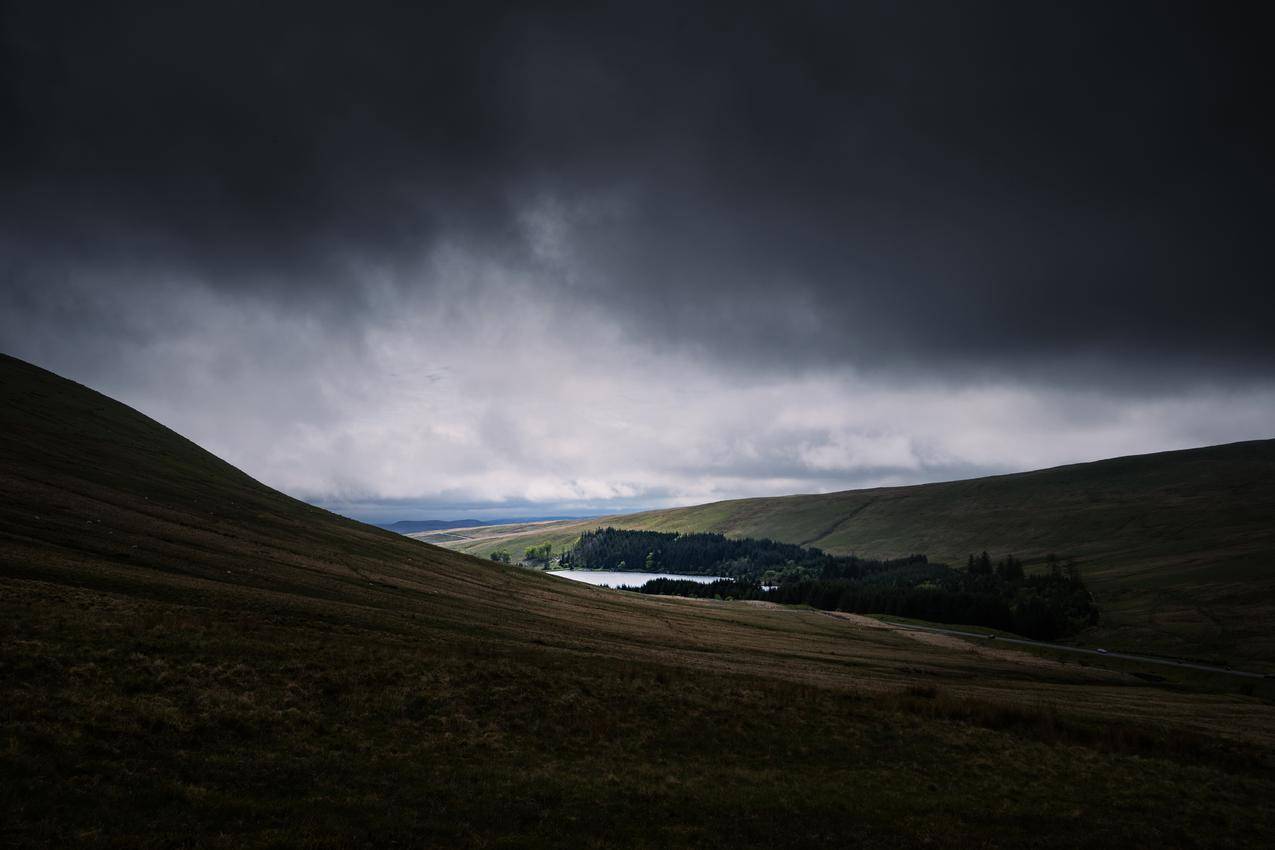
{"x": 187, "y": 652}
{"x": 1178, "y": 547}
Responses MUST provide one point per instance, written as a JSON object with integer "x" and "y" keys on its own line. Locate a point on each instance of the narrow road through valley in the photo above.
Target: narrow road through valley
{"x": 1149, "y": 659}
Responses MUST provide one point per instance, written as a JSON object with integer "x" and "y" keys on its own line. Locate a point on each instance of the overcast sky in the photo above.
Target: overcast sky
{"x": 506, "y": 261}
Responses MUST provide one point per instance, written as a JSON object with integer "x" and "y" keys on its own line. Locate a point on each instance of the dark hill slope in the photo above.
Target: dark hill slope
{"x": 188, "y": 658}
{"x": 1216, "y": 499}
{"x": 1178, "y": 546}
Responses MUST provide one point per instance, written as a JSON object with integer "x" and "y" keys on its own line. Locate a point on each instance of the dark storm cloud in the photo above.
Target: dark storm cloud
{"x": 884, "y": 184}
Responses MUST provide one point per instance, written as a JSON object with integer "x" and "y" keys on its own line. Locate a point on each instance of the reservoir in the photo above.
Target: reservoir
{"x": 611, "y": 578}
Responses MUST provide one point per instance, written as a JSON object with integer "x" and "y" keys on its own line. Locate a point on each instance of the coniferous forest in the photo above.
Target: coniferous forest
{"x": 707, "y": 554}
{"x": 1048, "y": 604}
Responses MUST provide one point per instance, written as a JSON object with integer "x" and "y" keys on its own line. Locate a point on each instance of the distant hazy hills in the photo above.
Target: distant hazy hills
{"x": 1179, "y": 546}
{"x": 416, "y": 526}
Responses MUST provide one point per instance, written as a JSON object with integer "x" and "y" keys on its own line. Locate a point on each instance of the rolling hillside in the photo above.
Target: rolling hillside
{"x": 1178, "y": 546}
{"x": 191, "y": 658}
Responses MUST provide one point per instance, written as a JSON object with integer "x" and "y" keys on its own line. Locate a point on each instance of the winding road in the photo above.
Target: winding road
{"x": 1148, "y": 659}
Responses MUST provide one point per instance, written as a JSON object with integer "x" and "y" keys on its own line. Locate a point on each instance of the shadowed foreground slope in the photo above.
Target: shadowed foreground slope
{"x": 189, "y": 657}
{"x": 1178, "y": 547}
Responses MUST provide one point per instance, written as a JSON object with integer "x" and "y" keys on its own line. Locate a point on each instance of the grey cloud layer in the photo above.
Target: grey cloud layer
{"x": 907, "y": 182}
{"x": 457, "y": 253}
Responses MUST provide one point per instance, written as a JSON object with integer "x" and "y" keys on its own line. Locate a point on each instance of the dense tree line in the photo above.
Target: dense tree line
{"x": 1044, "y": 605}
{"x": 760, "y": 560}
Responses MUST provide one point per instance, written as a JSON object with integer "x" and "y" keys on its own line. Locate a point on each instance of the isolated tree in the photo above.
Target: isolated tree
{"x": 540, "y": 554}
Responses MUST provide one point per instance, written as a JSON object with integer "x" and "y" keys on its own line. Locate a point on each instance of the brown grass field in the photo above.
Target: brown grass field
{"x": 190, "y": 659}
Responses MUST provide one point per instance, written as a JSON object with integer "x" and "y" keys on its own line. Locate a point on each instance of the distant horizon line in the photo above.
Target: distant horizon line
{"x": 636, "y": 510}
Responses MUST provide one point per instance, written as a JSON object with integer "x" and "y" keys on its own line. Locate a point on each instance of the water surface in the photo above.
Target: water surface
{"x": 615, "y": 578}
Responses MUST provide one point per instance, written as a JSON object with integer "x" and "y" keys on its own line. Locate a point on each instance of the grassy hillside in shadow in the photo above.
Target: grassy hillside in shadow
{"x": 1178, "y": 547}
{"x": 190, "y": 658}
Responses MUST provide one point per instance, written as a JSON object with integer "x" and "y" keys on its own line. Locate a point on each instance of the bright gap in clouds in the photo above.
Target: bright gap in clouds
{"x": 642, "y": 256}
{"x": 479, "y": 397}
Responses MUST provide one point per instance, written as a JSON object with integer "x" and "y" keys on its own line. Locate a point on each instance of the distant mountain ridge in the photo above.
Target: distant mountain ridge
{"x": 416, "y": 526}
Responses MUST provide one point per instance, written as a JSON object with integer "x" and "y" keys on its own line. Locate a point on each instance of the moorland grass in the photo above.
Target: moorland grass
{"x": 188, "y": 658}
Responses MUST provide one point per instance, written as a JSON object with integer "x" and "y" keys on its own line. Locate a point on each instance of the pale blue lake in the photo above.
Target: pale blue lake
{"x": 613, "y": 578}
